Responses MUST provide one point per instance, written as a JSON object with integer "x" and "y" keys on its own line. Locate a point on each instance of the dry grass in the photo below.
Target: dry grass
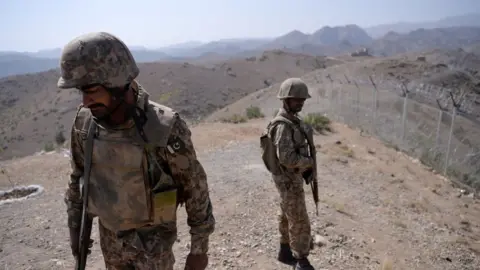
{"x": 387, "y": 264}
{"x": 337, "y": 205}
{"x": 347, "y": 151}
{"x": 234, "y": 119}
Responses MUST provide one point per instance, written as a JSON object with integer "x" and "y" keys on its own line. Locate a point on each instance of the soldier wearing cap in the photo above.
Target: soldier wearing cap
{"x": 292, "y": 156}
{"x": 143, "y": 162}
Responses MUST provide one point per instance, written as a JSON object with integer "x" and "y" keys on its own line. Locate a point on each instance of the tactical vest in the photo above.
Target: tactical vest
{"x": 121, "y": 191}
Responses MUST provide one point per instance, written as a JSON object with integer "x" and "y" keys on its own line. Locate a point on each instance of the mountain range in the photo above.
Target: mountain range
{"x": 387, "y": 39}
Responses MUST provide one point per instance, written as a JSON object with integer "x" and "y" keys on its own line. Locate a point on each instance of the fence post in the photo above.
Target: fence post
{"x": 318, "y": 89}
{"x": 329, "y": 94}
{"x": 375, "y": 101}
{"x": 339, "y": 104}
{"x": 346, "y": 100}
{"x": 331, "y": 104}
{"x": 439, "y": 124}
{"x": 456, "y": 106}
{"x": 447, "y": 156}
{"x": 358, "y": 104}
{"x": 404, "y": 113}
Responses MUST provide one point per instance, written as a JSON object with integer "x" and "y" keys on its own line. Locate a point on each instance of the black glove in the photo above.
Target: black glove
{"x": 75, "y": 241}
{"x": 307, "y": 175}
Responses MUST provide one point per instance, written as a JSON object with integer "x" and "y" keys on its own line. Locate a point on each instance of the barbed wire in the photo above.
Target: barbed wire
{"x": 436, "y": 124}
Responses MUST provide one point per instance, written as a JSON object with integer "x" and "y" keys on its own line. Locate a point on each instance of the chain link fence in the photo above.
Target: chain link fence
{"x": 436, "y": 125}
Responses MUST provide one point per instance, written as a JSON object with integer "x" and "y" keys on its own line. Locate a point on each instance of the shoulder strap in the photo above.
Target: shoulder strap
{"x": 87, "y": 163}
{"x": 277, "y": 119}
{"x": 86, "y": 220}
{"x": 159, "y": 124}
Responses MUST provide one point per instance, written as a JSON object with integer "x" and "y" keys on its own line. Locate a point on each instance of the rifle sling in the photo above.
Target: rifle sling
{"x": 85, "y": 223}
{"x": 88, "y": 160}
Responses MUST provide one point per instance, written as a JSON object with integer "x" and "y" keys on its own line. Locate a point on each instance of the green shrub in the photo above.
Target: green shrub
{"x": 49, "y": 147}
{"x": 235, "y": 119}
{"x": 254, "y": 112}
{"x": 319, "y": 122}
{"x": 60, "y": 138}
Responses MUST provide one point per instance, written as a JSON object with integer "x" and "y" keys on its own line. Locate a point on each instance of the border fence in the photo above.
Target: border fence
{"x": 436, "y": 125}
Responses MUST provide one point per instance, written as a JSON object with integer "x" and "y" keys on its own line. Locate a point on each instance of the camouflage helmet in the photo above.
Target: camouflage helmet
{"x": 293, "y": 88}
{"x": 96, "y": 58}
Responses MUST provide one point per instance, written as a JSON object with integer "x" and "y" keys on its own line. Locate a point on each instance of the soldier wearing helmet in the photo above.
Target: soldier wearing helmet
{"x": 291, "y": 153}
{"x": 143, "y": 162}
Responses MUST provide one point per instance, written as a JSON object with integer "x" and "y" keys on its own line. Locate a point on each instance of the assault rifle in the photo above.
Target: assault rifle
{"x": 311, "y": 179}
{"x": 84, "y": 241}
{"x": 86, "y": 225}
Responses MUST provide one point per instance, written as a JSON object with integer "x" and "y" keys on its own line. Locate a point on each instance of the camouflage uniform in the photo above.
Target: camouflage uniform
{"x": 132, "y": 180}
{"x": 294, "y": 224}
{"x": 292, "y": 153}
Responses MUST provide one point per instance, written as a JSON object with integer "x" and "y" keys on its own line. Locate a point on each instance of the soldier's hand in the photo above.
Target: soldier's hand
{"x": 196, "y": 262}
{"x": 307, "y": 174}
{"x": 74, "y": 242}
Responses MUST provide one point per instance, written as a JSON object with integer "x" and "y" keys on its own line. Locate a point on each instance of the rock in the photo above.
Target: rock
{"x": 320, "y": 240}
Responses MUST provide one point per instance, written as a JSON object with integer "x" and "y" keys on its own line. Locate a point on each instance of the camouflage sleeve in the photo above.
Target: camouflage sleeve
{"x": 72, "y": 195}
{"x": 187, "y": 169}
{"x": 286, "y": 152}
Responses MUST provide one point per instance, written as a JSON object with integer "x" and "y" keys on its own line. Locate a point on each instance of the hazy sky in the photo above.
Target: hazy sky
{"x": 30, "y": 25}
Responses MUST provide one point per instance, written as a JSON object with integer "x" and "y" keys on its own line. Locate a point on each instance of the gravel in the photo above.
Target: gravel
{"x": 370, "y": 214}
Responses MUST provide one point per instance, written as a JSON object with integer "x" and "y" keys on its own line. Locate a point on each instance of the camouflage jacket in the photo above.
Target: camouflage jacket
{"x": 124, "y": 174}
{"x": 291, "y": 145}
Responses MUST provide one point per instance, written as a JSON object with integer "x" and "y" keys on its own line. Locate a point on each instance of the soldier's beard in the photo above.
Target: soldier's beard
{"x": 296, "y": 109}
{"x": 98, "y": 110}
{"x": 114, "y": 114}
{"x": 293, "y": 108}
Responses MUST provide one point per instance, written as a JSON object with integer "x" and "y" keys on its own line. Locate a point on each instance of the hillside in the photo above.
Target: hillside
{"x": 378, "y": 209}
{"x": 345, "y": 93}
{"x": 33, "y": 109}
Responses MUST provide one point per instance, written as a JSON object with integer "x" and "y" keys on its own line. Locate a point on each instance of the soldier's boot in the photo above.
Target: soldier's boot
{"x": 285, "y": 255}
{"x": 303, "y": 264}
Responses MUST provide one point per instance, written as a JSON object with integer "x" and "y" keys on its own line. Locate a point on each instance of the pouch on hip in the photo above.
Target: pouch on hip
{"x": 165, "y": 205}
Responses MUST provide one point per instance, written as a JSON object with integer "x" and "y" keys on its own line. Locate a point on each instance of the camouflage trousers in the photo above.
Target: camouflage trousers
{"x": 143, "y": 249}
{"x": 294, "y": 223}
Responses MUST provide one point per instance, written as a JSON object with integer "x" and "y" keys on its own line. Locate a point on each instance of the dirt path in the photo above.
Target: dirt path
{"x": 376, "y": 206}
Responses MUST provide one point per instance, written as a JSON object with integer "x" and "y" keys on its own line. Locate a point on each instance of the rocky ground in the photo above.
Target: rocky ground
{"x": 379, "y": 209}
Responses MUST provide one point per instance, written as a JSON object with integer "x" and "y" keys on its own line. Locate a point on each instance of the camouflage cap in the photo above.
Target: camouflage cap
{"x": 293, "y": 88}
{"x": 96, "y": 57}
